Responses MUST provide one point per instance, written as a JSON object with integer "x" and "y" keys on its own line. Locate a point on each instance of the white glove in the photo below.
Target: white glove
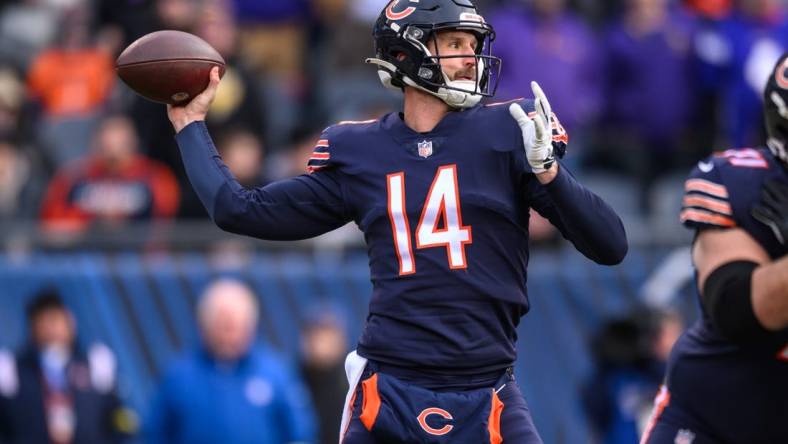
{"x": 537, "y": 132}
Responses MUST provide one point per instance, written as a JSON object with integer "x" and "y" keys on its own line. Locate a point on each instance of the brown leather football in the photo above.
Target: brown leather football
{"x": 168, "y": 66}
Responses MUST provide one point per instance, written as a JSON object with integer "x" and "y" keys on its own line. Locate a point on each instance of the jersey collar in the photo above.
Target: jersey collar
{"x": 394, "y": 123}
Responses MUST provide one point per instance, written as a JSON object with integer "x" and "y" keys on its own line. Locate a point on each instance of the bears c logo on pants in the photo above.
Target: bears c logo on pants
{"x": 435, "y": 411}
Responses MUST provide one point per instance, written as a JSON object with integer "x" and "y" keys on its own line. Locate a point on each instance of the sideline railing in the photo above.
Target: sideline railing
{"x": 30, "y": 235}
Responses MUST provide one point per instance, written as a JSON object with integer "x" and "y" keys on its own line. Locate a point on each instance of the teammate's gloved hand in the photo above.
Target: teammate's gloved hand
{"x": 772, "y": 208}
{"x": 537, "y": 133}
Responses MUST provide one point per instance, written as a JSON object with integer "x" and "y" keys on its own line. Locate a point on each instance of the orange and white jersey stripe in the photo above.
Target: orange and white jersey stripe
{"x": 700, "y": 201}
{"x": 320, "y": 156}
{"x": 706, "y": 204}
{"x": 690, "y": 215}
{"x": 706, "y": 187}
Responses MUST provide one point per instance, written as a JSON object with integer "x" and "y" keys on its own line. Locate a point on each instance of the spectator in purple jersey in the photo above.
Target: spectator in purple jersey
{"x": 711, "y": 53}
{"x": 754, "y": 36}
{"x": 542, "y": 40}
{"x": 434, "y": 362}
{"x": 649, "y": 91}
{"x": 267, "y": 11}
{"x": 273, "y": 36}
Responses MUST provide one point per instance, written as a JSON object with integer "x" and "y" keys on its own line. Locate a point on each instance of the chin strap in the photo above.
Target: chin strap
{"x": 452, "y": 97}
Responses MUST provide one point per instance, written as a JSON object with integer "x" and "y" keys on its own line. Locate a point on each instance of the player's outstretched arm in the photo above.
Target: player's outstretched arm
{"x": 742, "y": 290}
{"x": 582, "y": 217}
{"x": 297, "y": 208}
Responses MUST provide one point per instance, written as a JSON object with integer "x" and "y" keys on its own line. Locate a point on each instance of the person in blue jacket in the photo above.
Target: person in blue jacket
{"x": 231, "y": 390}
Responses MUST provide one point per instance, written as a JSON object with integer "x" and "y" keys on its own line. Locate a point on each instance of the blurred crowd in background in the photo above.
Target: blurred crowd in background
{"x": 645, "y": 88}
{"x": 229, "y": 387}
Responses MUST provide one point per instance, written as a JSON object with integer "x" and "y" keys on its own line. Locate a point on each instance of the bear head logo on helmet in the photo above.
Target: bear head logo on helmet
{"x": 402, "y": 34}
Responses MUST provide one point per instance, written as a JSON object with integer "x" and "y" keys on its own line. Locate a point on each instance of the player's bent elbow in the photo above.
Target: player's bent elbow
{"x": 617, "y": 253}
{"x": 229, "y": 217}
{"x": 235, "y": 212}
{"x": 615, "y": 250}
{"x": 238, "y": 215}
{"x": 226, "y": 221}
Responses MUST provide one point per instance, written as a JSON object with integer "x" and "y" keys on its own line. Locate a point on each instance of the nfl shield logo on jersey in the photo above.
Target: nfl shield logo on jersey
{"x": 425, "y": 148}
{"x": 684, "y": 436}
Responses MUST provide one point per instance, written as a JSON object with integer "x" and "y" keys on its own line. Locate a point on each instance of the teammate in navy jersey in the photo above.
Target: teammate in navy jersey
{"x": 727, "y": 377}
{"x": 442, "y": 192}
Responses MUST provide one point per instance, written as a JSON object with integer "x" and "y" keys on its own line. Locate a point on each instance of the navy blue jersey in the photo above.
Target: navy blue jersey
{"x": 445, "y": 218}
{"x": 738, "y": 392}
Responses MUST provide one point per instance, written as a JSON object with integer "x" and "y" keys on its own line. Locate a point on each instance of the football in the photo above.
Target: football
{"x": 168, "y": 66}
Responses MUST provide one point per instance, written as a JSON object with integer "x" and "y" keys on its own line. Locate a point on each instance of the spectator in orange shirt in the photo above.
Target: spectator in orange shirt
{"x": 111, "y": 186}
{"x": 72, "y": 82}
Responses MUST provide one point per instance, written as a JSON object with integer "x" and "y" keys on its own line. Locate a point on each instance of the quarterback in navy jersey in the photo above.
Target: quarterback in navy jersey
{"x": 442, "y": 193}
{"x": 727, "y": 376}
